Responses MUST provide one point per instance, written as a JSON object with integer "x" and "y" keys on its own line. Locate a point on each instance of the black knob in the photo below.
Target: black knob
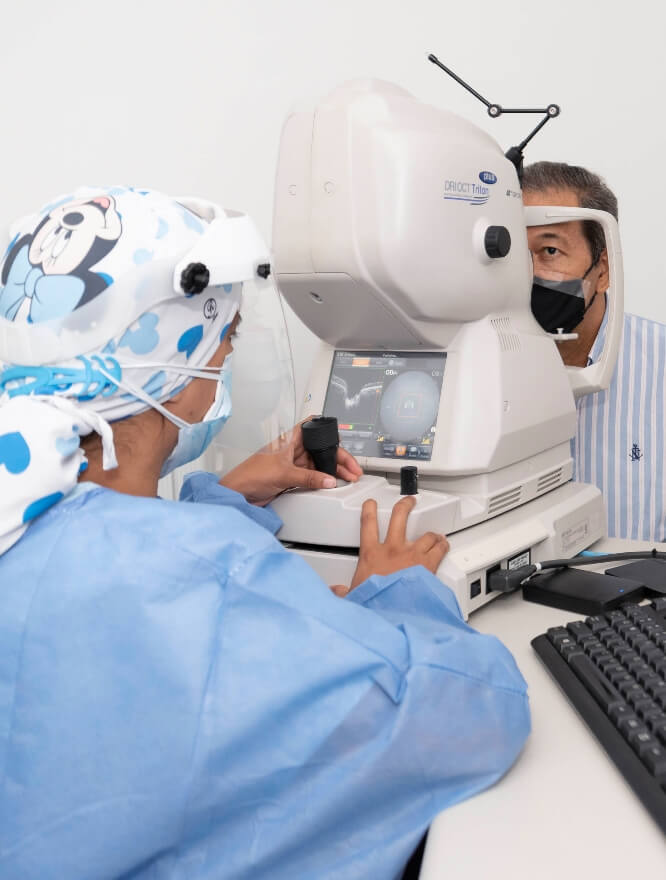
{"x": 497, "y": 241}
{"x": 264, "y": 270}
{"x": 194, "y": 278}
{"x": 409, "y": 480}
{"x": 321, "y": 439}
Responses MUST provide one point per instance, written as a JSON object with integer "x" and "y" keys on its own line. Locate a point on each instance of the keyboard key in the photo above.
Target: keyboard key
{"x": 655, "y": 686}
{"x": 644, "y": 705}
{"x": 594, "y": 651}
{"x": 579, "y": 630}
{"x": 630, "y": 689}
{"x": 635, "y": 638}
{"x": 602, "y": 691}
{"x": 636, "y": 612}
{"x": 639, "y": 736}
{"x": 560, "y": 636}
{"x": 659, "y": 730}
{"x": 660, "y": 666}
{"x": 596, "y": 622}
{"x": 653, "y": 717}
{"x": 630, "y": 724}
{"x": 644, "y": 675}
{"x": 567, "y": 650}
{"x": 606, "y": 633}
{"x": 556, "y": 631}
{"x": 621, "y": 711}
{"x": 624, "y": 654}
{"x": 650, "y": 652}
{"x": 624, "y": 679}
{"x": 616, "y": 674}
{"x": 645, "y": 743}
{"x": 654, "y": 758}
{"x": 605, "y": 662}
{"x": 632, "y": 666}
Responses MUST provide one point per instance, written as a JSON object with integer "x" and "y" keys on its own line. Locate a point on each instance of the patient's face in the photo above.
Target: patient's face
{"x": 561, "y": 247}
{"x": 561, "y": 251}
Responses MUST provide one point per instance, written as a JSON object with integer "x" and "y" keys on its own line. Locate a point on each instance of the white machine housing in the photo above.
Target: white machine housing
{"x": 382, "y": 208}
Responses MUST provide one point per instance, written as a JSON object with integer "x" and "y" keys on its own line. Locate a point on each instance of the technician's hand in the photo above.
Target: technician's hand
{"x": 285, "y": 464}
{"x": 396, "y": 552}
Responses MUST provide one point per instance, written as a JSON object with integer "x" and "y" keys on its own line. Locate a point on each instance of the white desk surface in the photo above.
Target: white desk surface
{"x": 563, "y": 810}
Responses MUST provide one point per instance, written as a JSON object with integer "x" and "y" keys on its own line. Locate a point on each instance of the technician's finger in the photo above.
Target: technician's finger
{"x": 304, "y": 478}
{"x": 398, "y": 524}
{"x": 345, "y": 474}
{"x": 340, "y": 590}
{"x": 437, "y": 552}
{"x": 427, "y": 542}
{"x": 369, "y": 524}
{"x": 347, "y": 461}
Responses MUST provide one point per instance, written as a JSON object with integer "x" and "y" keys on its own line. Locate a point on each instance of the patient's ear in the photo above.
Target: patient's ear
{"x": 602, "y": 283}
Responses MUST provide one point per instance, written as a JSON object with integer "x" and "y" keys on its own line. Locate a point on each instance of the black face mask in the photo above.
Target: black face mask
{"x": 559, "y": 304}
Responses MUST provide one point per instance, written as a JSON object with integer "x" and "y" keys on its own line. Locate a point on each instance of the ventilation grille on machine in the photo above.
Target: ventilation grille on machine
{"x": 504, "y": 500}
{"x": 549, "y": 481}
{"x": 509, "y": 341}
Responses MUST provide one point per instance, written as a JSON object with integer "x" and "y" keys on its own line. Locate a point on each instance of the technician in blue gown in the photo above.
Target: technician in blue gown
{"x": 179, "y": 695}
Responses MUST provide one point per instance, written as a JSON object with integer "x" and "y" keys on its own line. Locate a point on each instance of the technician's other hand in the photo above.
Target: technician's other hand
{"x": 396, "y": 552}
{"x": 285, "y": 464}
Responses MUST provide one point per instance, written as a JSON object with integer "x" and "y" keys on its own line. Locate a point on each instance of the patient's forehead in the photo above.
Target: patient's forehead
{"x": 551, "y": 196}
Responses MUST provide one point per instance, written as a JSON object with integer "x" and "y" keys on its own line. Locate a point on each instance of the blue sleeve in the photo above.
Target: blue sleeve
{"x": 377, "y": 718}
{"x": 408, "y": 592}
{"x": 205, "y": 488}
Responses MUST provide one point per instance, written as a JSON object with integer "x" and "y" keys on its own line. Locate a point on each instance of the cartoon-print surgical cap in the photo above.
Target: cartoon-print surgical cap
{"x": 111, "y": 300}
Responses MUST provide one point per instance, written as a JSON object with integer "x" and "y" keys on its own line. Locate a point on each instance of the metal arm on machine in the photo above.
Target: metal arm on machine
{"x": 513, "y": 154}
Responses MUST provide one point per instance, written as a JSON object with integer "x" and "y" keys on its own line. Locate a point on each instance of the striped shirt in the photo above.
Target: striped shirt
{"x": 619, "y": 442}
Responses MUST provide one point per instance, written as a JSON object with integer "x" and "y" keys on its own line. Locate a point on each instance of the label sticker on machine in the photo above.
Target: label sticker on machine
{"x": 386, "y": 403}
{"x": 518, "y": 561}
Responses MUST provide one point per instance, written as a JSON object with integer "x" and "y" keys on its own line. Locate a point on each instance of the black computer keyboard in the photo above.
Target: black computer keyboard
{"x": 612, "y": 667}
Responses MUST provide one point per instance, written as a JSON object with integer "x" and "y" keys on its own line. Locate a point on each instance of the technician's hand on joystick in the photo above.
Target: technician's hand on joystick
{"x": 396, "y": 552}
{"x": 286, "y": 464}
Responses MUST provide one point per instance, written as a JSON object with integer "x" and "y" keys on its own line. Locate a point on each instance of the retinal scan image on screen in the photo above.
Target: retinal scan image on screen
{"x": 386, "y": 403}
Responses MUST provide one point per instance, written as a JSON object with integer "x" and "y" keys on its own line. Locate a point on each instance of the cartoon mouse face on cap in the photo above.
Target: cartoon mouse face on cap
{"x": 48, "y": 273}
{"x": 65, "y": 238}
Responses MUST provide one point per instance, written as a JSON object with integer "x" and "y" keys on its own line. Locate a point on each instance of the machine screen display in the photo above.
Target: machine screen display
{"x": 386, "y": 403}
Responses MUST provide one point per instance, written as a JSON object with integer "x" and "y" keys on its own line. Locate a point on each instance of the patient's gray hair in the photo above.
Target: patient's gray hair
{"x": 591, "y": 189}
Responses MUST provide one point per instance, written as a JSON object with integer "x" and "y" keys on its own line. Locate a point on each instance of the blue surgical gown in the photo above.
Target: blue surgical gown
{"x": 181, "y": 697}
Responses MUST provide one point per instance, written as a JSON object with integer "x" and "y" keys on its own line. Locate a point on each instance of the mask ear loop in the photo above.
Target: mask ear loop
{"x": 192, "y": 372}
{"x": 587, "y": 272}
{"x": 140, "y": 394}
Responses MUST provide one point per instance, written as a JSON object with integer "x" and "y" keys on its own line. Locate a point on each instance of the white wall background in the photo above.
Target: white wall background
{"x": 190, "y": 96}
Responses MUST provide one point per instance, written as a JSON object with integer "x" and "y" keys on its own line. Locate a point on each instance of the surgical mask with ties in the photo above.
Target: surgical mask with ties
{"x": 194, "y": 439}
{"x": 559, "y": 304}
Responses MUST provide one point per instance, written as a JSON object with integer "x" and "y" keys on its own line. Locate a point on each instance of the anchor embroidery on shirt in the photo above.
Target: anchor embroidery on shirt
{"x": 636, "y": 453}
